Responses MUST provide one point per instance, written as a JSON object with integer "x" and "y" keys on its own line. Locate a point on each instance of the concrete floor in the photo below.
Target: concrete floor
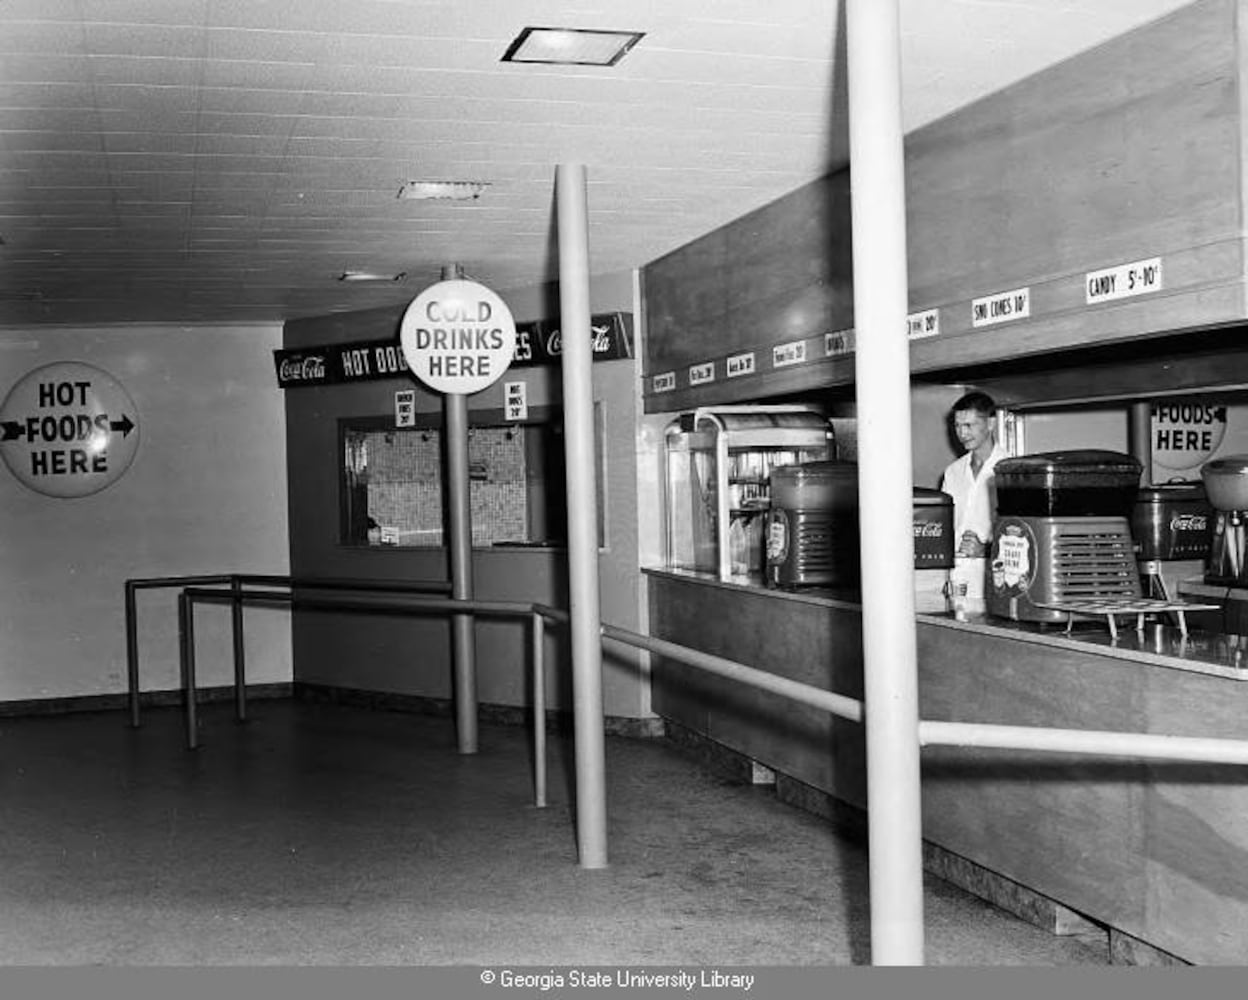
{"x": 322, "y": 834}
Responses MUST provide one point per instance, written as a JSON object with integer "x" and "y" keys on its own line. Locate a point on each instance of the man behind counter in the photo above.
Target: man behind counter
{"x": 969, "y": 479}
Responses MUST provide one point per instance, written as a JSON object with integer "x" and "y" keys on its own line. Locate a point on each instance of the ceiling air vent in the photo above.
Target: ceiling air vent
{"x": 442, "y": 190}
{"x": 571, "y": 46}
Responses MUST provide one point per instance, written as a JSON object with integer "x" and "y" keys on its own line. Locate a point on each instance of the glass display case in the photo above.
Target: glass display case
{"x": 717, "y": 491}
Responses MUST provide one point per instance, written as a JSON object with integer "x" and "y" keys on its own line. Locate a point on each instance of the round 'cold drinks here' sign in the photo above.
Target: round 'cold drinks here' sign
{"x": 458, "y": 337}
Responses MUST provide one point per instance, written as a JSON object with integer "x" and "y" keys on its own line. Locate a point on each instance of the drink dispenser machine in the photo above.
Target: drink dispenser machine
{"x": 717, "y": 485}
{"x": 1226, "y": 482}
{"x": 1062, "y": 533}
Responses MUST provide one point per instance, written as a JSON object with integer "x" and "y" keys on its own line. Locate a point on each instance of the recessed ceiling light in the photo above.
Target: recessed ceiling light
{"x": 370, "y": 276}
{"x": 571, "y": 46}
{"x": 442, "y": 190}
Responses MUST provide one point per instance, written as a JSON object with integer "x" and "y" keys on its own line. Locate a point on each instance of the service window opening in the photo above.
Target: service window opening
{"x": 392, "y": 489}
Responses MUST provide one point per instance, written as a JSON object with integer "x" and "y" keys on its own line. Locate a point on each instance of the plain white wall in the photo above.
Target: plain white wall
{"x": 1069, "y": 430}
{"x": 206, "y": 493}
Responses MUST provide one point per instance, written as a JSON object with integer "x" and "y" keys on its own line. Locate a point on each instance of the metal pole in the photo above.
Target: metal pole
{"x": 240, "y": 663}
{"x": 463, "y": 639}
{"x": 829, "y": 701}
{"x": 455, "y": 409}
{"x": 539, "y": 710}
{"x": 578, "y": 424}
{"x": 885, "y": 482}
{"x": 1140, "y": 436}
{"x": 186, "y": 632}
{"x": 1139, "y": 746}
{"x": 132, "y": 655}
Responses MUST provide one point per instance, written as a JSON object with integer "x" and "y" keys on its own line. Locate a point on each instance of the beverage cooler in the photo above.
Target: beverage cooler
{"x": 719, "y": 462}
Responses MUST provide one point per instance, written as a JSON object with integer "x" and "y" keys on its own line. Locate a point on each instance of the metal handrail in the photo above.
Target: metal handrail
{"x": 236, "y": 581}
{"x": 930, "y": 733}
{"x": 1149, "y": 746}
{"x": 415, "y": 603}
{"x": 837, "y": 704}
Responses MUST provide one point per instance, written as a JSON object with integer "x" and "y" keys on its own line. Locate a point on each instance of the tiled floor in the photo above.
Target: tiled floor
{"x": 320, "y": 834}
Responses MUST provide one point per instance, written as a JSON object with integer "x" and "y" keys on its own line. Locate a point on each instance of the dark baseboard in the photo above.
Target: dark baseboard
{"x": 500, "y": 715}
{"x": 504, "y": 715}
{"x": 382, "y": 701}
{"x": 147, "y": 699}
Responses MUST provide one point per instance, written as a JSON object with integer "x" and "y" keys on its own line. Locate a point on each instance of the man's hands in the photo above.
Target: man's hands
{"x": 970, "y": 545}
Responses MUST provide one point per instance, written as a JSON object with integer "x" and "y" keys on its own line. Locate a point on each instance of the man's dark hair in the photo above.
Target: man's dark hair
{"x": 980, "y": 402}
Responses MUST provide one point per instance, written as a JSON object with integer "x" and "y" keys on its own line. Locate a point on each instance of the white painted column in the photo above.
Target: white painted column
{"x": 886, "y": 480}
{"x": 579, "y": 445}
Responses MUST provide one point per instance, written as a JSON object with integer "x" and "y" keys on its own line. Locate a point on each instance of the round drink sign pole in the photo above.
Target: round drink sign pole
{"x": 458, "y": 337}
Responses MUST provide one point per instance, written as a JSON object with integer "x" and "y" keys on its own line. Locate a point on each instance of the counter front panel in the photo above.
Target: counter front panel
{"x": 1156, "y": 850}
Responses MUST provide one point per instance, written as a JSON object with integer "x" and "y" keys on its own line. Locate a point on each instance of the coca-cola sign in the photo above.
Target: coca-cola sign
{"x": 1189, "y": 522}
{"x": 307, "y": 369}
{"x": 929, "y": 529}
{"x": 601, "y": 341}
{"x": 537, "y": 343}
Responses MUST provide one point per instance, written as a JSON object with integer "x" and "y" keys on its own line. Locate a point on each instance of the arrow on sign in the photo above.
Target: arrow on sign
{"x": 14, "y": 430}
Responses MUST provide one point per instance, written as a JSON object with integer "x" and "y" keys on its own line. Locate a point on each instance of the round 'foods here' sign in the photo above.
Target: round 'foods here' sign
{"x": 458, "y": 337}
{"x": 68, "y": 429}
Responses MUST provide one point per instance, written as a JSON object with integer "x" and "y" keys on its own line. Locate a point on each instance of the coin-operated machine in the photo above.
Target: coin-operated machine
{"x": 1062, "y": 533}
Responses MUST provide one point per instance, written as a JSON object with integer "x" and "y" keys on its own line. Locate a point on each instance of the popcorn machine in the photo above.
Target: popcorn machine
{"x": 717, "y": 483}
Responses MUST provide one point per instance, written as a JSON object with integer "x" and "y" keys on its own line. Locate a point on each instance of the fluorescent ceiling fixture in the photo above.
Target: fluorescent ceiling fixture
{"x": 370, "y": 276}
{"x": 571, "y": 46}
{"x": 442, "y": 190}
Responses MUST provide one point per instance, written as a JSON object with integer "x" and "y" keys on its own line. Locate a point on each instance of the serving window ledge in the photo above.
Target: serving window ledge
{"x": 1202, "y": 651}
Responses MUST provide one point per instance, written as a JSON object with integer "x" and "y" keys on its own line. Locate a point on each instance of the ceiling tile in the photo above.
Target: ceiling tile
{"x": 222, "y": 160}
{"x": 145, "y": 41}
{"x": 140, "y": 12}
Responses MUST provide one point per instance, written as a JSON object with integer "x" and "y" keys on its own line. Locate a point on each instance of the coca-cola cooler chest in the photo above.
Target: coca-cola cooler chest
{"x": 933, "y": 529}
{"x": 933, "y": 548}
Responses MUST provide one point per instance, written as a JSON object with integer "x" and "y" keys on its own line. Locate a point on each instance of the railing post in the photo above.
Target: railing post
{"x": 538, "y": 637}
{"x": 186, "y": 631}
{"x": 240, "y": 668}
{"x": 132, "y": 654}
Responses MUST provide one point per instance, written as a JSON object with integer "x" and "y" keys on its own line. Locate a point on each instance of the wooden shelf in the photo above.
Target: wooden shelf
{"x": 1130, "y": 152}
